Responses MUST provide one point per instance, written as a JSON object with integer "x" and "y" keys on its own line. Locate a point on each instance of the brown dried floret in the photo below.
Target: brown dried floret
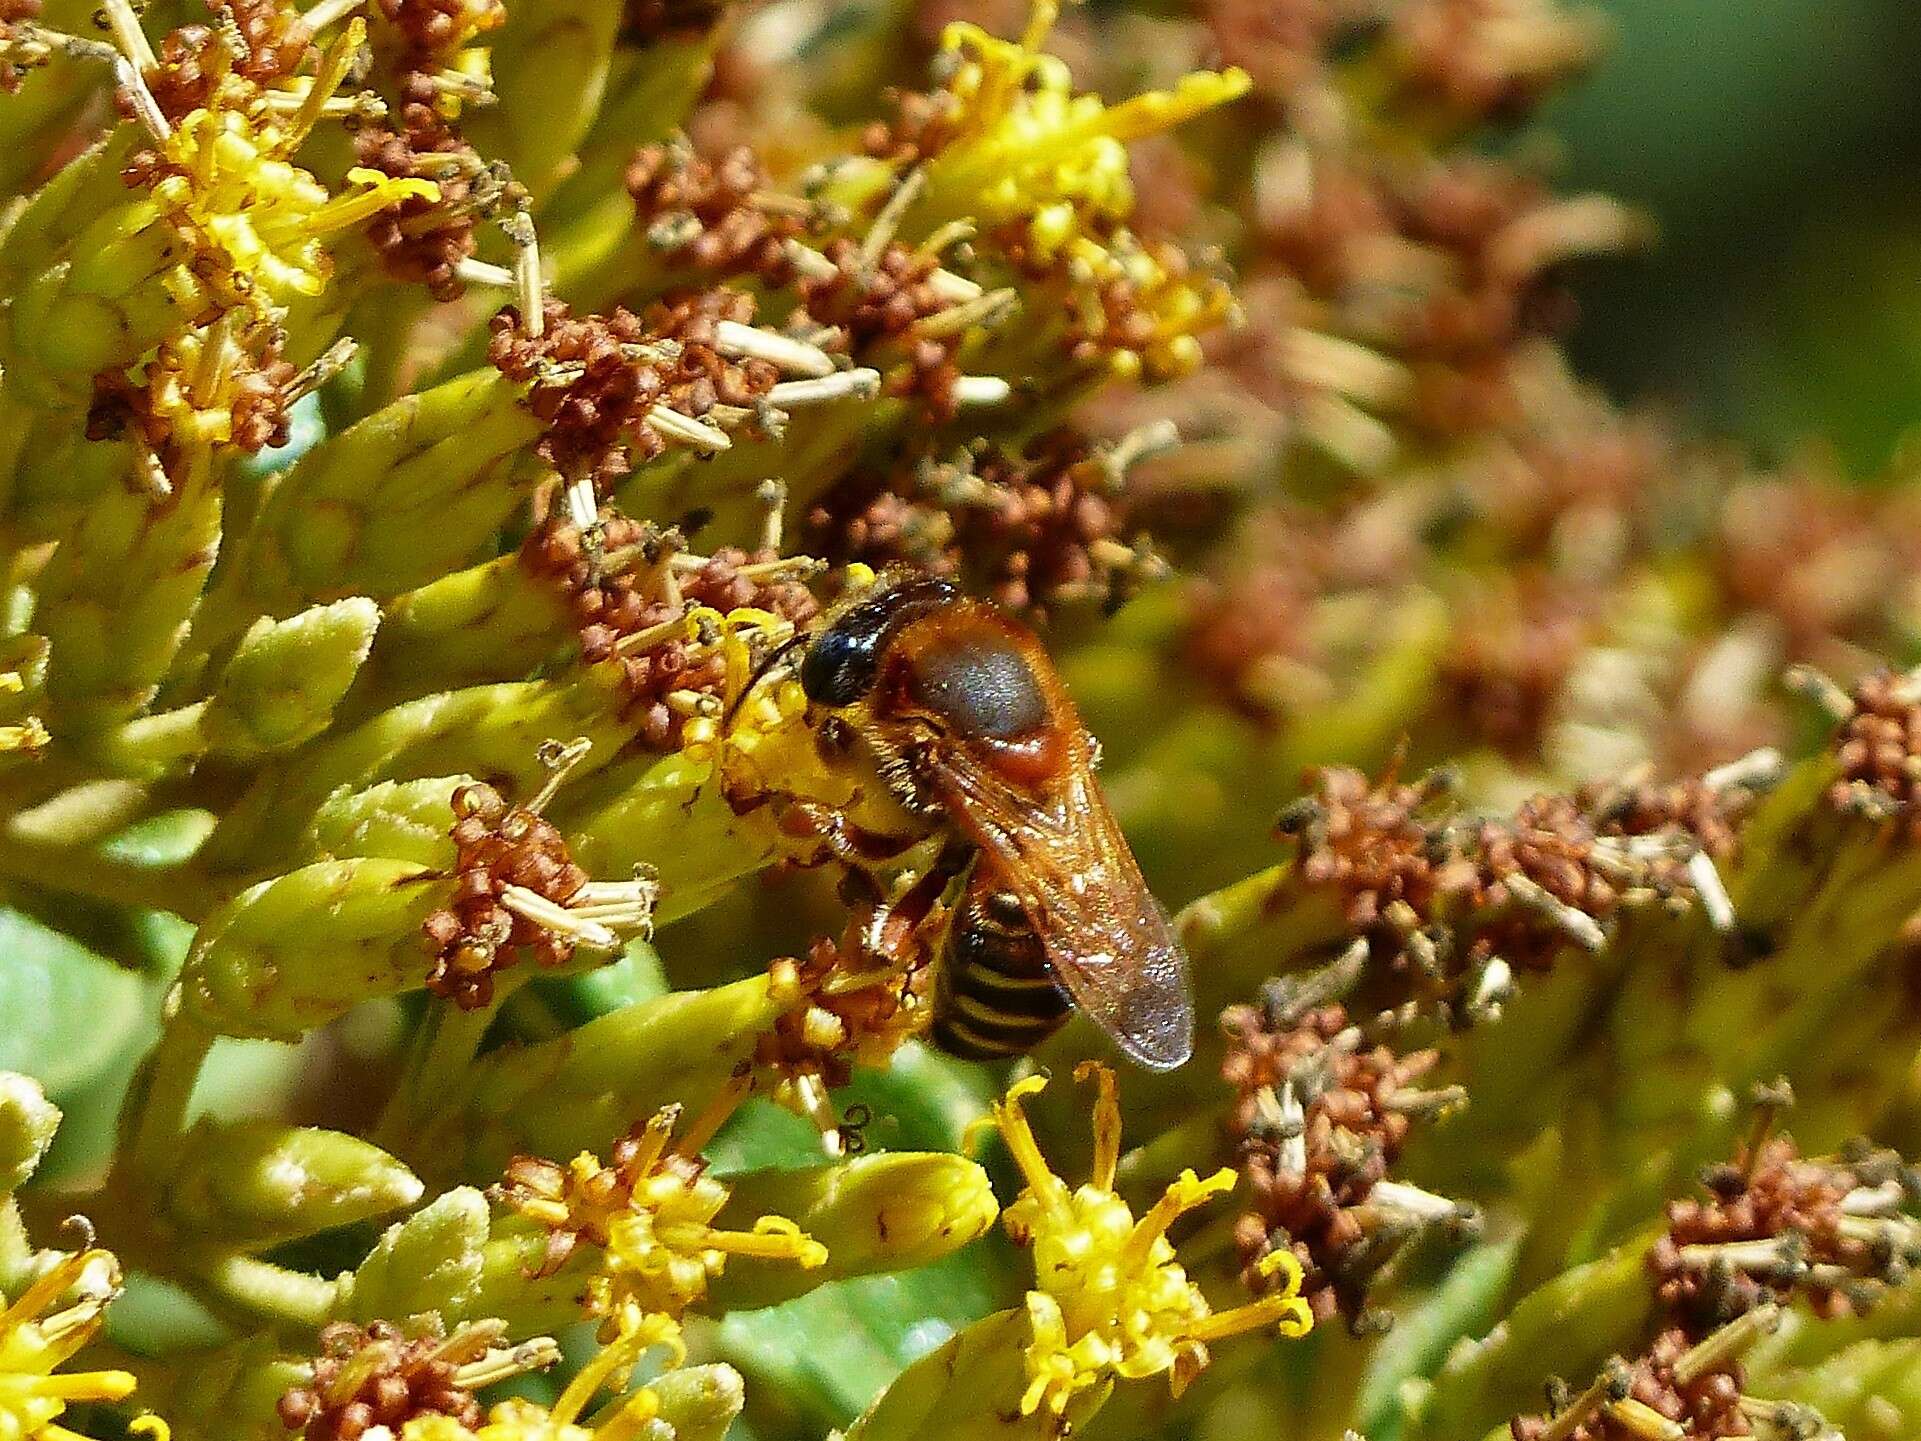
{"x": 1509, "y": 659}
{"x": 1448, "y": 266}
{"x": 1774, "y": 1224}
{"x": 717, "y": 216}
{"x": 1283, "y": 44}
{"x": 596, "y": 379}
{"x": 1449, "y": 899}
{"x": 922, "y": 124}
{"x": 265, "y": 42}
{"x": 850, "y": 1002}
{"x": 620, "y": 587}
{"x": 1878, "y": 748}
{"x": 420, "y": 241}
{"x": 256, "y": 392}
{"x": 1691, "y": 806}
{"x": 1031, "y": 530}
{"x": 481, "y": 934}
{"x": 1818, "y": 556}
{"x": 431, "y": 30}
{"x": 1319, "y": 1119}
{"x": 377, "y": 1375}
{"x": 1542, "y": 858}
{"x": 1367, "y": 843}
{"x": 1489, "y": 60}
{"x": 877, "y": 301}
{"x": 1660, "y": 1386}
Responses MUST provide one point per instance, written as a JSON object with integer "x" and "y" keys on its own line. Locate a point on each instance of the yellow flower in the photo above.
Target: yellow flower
{"x": 35, "y": 1341}
{"x": 1111, "y": 1300}
{"x": 228, "y": 175}
{"x": 1018, "y": 144}
{"x": 521, "y": 1420}
{"x": 651, "y": 1215}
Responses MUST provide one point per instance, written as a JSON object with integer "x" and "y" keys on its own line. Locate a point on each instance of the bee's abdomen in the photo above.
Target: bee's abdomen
{"x": 995, "y": 996}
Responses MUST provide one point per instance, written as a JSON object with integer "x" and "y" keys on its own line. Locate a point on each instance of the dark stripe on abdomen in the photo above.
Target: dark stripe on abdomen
{"x": 995, "y": 995}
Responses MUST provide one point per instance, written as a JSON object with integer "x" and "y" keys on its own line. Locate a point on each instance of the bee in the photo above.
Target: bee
{"x": 973, "y": 732}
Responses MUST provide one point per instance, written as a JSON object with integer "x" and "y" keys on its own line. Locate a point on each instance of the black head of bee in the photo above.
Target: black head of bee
{"x": 843, "y": 661}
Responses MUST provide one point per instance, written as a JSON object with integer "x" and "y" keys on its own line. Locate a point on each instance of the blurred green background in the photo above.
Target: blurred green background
{"x": 1778, "y": 142}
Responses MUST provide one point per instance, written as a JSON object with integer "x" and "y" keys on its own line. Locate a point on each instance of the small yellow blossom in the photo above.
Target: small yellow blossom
{"x": 1021, "y": 145}
{"x": 229, "y": 177}
{"x": 650, "y": 1214}
{"x": 36, "y": 1340}
{"x": 522, "y": 1420}
{"x": 1111, "y": 1299}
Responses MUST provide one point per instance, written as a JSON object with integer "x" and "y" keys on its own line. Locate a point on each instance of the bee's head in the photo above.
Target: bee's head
{"x": 843, "y": 659}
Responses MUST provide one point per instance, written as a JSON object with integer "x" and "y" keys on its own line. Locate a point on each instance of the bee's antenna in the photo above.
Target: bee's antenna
{"x": 760, "y": 673}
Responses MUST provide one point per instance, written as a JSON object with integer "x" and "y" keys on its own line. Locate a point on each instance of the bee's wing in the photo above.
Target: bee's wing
{"x": 1107, "y": 938}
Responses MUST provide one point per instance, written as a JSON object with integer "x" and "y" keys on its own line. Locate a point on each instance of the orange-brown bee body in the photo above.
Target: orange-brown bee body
{"x": 973, "y": 730}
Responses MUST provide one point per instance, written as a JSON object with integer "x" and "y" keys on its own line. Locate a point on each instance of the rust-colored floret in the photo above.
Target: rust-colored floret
{"x": 1877, "y": 747}
{"x": 713, "y": 215}
{"x": 1029, "y": 530}
{"x": 875, "y": 302}
{"x": 1771, "y": 1225}
{"x": 596, "y": 378}
{"x": 1318, "y": 1119}
{"x": 1707, "y": 1404}
{"x": 378, "y": 1376}
{"x": 1366, "y": 843}
{"x": 609, "y": 603}
{"x": 257, "y": 393}
{"x": 1509, "y": 660}
{"x": 478, "y": 935}
{"x": 194, "y": 58}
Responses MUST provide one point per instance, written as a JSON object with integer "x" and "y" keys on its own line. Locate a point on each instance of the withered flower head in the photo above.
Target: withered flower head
{"x": 380, "y": 1375}
{"x": 1775, "y": 1224}
{"x": 718, "y": 216}
{"x": 1320, "y": 1117}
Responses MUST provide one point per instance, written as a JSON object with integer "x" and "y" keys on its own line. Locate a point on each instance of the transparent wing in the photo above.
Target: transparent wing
{"x": 1110, "y": 943}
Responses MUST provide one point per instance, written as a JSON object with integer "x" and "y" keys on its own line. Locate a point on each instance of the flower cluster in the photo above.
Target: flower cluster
{"x": 1111, "y": 1300}
{"x": 649, "y": 1215}
{"x": 1320, "y": 1118}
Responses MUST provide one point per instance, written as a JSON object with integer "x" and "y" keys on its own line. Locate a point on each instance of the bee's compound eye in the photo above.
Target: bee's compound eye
{"x": 838, "y": 668}
{"x": 844, "y": 659}
{"x": 983, "y": 686}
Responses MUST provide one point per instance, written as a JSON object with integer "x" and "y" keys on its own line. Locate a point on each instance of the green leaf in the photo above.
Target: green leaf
{"x": 79, "y": 1009}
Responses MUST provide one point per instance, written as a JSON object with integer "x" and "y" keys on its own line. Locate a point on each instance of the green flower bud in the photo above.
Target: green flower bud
{"x": 306, "y": 947}
{"x": 401, "y": 820}
{"x": 549, "y": 65}
{"x": 415, "y": 490}
{"x": 664, "y": 812}
{"x": 116, "y": 598}
{"x": 258, "y": 1181}
{"x": 883, "y": 1212}
{"x": 27, "y": 1123}
{"x": 971, "y": 1387}
{"x": 429, "y": 1262}
{"x": 83, "y": 265}
{"x": 283, "y": 683}
{"x": 493, "y": 731}
{"x": 490, "y": 622}
{"x": 584, "y": 1089}
{"x": 697, "y": 1403}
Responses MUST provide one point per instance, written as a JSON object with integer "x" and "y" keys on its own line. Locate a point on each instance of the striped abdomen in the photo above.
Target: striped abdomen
{"x": 995, "y": 995}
